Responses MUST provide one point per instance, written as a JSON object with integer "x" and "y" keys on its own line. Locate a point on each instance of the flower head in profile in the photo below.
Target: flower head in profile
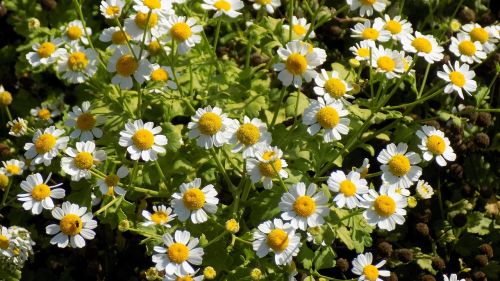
{"x": 18, "y": 127}
{"x": 433, "y": 143}
{"x": 424, "y": 46}
{"x": 12, "y": 167}
{"x": 350, "y": 188}
{"x": 85, "y": 122}
{"x": 299, "y": 28}
{"x": 366, "y": 7}
{"x": 115, "y": 36}
{"x": 45, "y": 53}
{"x": 459, "y": 79}
{"x": 210, "y": 127}
{"x": 329, "y": 114}
{"x": 45, "y": 145}
{"x": 424, "y": 190}
{"x": 77, "y": 65}
{"x": 111, "y": 183}
{"x": 164, "y": 76}
{"x": 249, "y": 135}
{"x": 126, "y": 65}
{"x": 362, "y": 266}
{"x": 399, "y": 165}
{"x": 453, "y": 277}
{"x": 6, "y": 242}
{"x": 74, "y": 33}
{"x": 269, "y": 5}
{"x": 111, "y": 9}
{"x": 384, "y": 209}
{"x": 277, "y": 237}
{"x": 39, "y": 194}
{"x": 195, "y": 202}
{"x": 224, "y": 7}
{"x": 267, "y": 165}
{"x": 81, "y": 160}
{"x": 161, "y": 215}
{"x": 184, "y": 31}
{"x": 142, "y": 140}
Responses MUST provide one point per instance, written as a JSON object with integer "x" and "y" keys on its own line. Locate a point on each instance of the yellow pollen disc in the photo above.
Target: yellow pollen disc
{"x": 159, "y": 217}
{"x": 152, "y": 4}
{"x": 264, "y": 2}
{"x": 399, "y": 165}
{"x": 209, "y": 123}
{"x": 370, "y": 34}
{"x": 363, "y": 52}
{"x": 143, "y": 139}
{"x": 71, "y": 224}
{"x": 40, "y": 192}
{"x": 4, "y": 242}
{"x": 184, "y": 278}
{"x": 45, "y": 143}
{"x": 126, "y": 65}
{"x": 335, "y": 87}
{"x": 159, "y": 75}
{"x": 436, "y": 144}
{"x": 5, "y": 98}
{"x": 86, "y": 121}
{"x": 348, "y": 188}
{"x": 154, "y": 47}
{"x": 277, "y": 239}
{"x": 44, "y": 114}
{"x": 479, "y": 34}
{"x": 266, "y": 169}
{"x": 84, "y": 160}
{"x": 370, "y": 272}
{"x": 74, "y": 32}
{"x": 385, "y": 205}
{"x": 112, "y": 180}
{"x": 296, "y": 64}
{"x": 180, "y": 31}
{"x": 46, "y": 49}
{"x": 368, "y": 2}
{"x": 299, "y": 29}
{"x": 248, "y": 134}
{"x": 77, "y": 61}
{"x": 467, "y": 48}
{"x": 327, "y": 117}
{"x": 422, "y": 45}
{"x": 178, "y": 253}
{"x": 457, "y": 78}
{"x": 113, "y": 11}
{"x": 119, "y": 37}
{"x": 13, "y": 169}
{"x": 193, "y": 199}
{"x": 268, "y": 155}
{"x": 304, "y": 206}
{"x": 386, "y": 63}
{"x": 142, "y": 18}
{"x": 393, "y": 26}
{"x": 17, "y": 128}
{"x": 222, "y": 5}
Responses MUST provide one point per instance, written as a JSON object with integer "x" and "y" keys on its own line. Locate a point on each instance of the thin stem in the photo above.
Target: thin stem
{"x": 8, "y": 113}
{"x": 5, "y": 195}
{"x": 422, "y": 86}
{"x": 290, "y": 18}
{"x": 221, "y": 168}
{"x": 241, "y": 240}
{"x": 279, "y": 177}
{"x": 126, "y": 37}
{"x": 145, "y": 33}
{"x": 110, "y": 203}
{"x": 282, "y": 94}
{"x": 217, "y": 32}
{"x": 215, "y": 239}
{"x": 160, "y": 171}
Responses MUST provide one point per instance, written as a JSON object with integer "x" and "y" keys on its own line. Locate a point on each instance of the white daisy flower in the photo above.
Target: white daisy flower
{"x": 350, "y": 188}
{"x": 333, "y": 86}
{"x": 434, "y": 143}
{"x": 85, "y": 123}
{"x": 12, "y": 167}
{"x": 459, "y": 78}
{"x": 365, "y": 31}
{"x": 453, "y": 277}
{"x": 223, "y": 7}
{"x": 366, "y": 6}
{"x": 363, "y": 169}
{"x": 6, "y": 242}
{"x": 178, "y": 255}
{"x": 45, "y": 53}
{"x": 386, "y": 209}
{"x": 210, "y": 127}
{"x": 398, "y": 166}
{"x": 269, "y": 5}
{"x": 115, "y": 36}
{"x": 143, "y": 140}
{"x": 396, "y": 189}
{"x": 18, "y": 127}
{"x": 467, "y": 50}
{"x": 81, "y": 160}
{"x": 184, "y": 31}
{"x": 484, "y": 35}
{"x": 161, "y": 216}
{"x": 388, "y": 62}
{"x": 304, "y": 207}
{"x": 182, "y": 277}
{"x": 424, "y": 190}
{"x": 299, "y": 28}
{"x": 362, "y": 50}
{"x": 399, "y": 28}
{"x": 126, "y": 65}
{"x": 424, "y": 46}
{"x": 275, "y": 236}
{"x": 111, "y": 183}
{"x": 407, "y": 62}
{"x": 135, "y": 25}
{"x": 195, "y": 202}
{"x": 45, "y": 145}
{"x": 164, "y": 75}
{"x": 39, "y": 194}
{"x": 77, "y": 65}
{"x": 158, "y": 46}
{"x": 74, "y": 32}
{"x": 299, "y": 62}
{"x": 249, "y": 135}
{"x": 111, "y": 9}
{"x": 45, "y": 113}
{"x": 329, "y": 114}
{"x": 161, "y": 6}
{"x": 267, "y": 166}
{"x": 75, "y": 226}
{"x": 362, "y": 266}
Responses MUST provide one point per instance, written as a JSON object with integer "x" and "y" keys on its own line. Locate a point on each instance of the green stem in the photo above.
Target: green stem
{"x": 279, "y": 177}
{"x": 418, "y": 101}
{"x": 273, "y": 121}
{"x": 313, "y": 20}
{"x": 110, "y": 203}
{"x": 221, "y": 168}
{"x": 8, "y": 113}
{"x": 290, "y": 17}
{"x": 145, "y": 33}
{"x": 126, "y": 38}
{"x": 241, "y": 240}
{"x": 217, "y": 32}
{"x": 422, "y": 86}
{"x": 233, "y": 165}
{"x": 160, "y": 171}
{"x": 215, "y": 239}
{"x": 6, "y": 194}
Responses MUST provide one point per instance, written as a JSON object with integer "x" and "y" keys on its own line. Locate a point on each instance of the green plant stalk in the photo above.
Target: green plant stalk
{"x": 126, "y": 38}
{"x": 217, "y": 238}
{"x": 290, "y": 17}
{"x": 280, "y": 101}
{"x": 6, "y": 194}
{"x": 242, "y": 240}
{"x": 422, "y": 86}
{"x": 233, "y": 165}
{"x": 110, "y": 203}
{"x": 221, "y": 168}
{"x": 139, "y": 102}
{"x": 179, "y": 88}
{"x": 7, "y": 110}
{"x": 217, "y": 33}
{"x": 282, "y": 183}
{"x": 313, "y": 21}
{"x": 162, "y": 175}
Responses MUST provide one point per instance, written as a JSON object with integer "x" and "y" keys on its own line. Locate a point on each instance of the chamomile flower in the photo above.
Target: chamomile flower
{"x": 304, "y": 207}
{"x": 366, "y": 6}
{"x": 399, "y": 28}
{"x": 111, "y": 183}
{"x": 467, "y": 50}
{"x": 453, "y": 277}
{"x": 269, "y": 5}
{"x": 299, "y": 28}
{"x": 39, "y": 194}
{"x": 142, "y": 140}
{"x": 184, "y": 31}
{"x": 115, "y": 36}
{"x": 195, "y": 202}
{"x": 126, "y": 66}
{"x": 399, "y": 166}
{"x": 333, "y": 86}
{"x": 386, "y": 209}
{"x": 81, "y": 160}
{"x": 5, "y": 97}
{"x": 164, "y": 75}
{"x": 278, "y": 237}
{"x": 350, "y": 188}
{"x": 75, "y": 225}
{"x": 362, "y": 266}
{"x": 45, "y": 113}
{"x": 12, "y": 167}
{"x": 178, "y": 254}
{"x": 45, "y": 53}
{"x": 329, "y": 114}
{"x": 363, "y": 169}
{"x": 161, "y": 216}
{"x": 434, "y": 143}
{"x": 299, "y": 62}
{"x": 267, "y": 166}
{"x": 111, "y": 9}
{"x": 6, "y": 242}
{"x": 187, "y": 277}
{"x": 73, "y": 32}
{"x": 85, "y": 123}
{"x": 18, "y": 127}
{"x": 161, "y": 6}
{"x": 459, "y": 78}
{"x": 223, "y": 7}
{"x": 424, "y": 46}
{"x": 210, "y": 127}
{"x": 484, "y": 35}
{"x": 77, "y": 65}
{"x": 362, "y": 50}
{"x": 365, "y": 31}
{"x": 136, "y": 25}
{"x": 424, "y": 190}
{"x": 249, "y": 135}
{"x": 389, "y": 62}
{"x": 45, "y": 145}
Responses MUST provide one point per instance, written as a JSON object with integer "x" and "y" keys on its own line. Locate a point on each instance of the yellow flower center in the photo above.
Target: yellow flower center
{"x": 13, "y": 169}
{"x": 327, "y": 117}
{"x": 405, "y": 64}
{"x": 5, "y": 98}
{"x": 141, "y": 20}
{"x": 152, "y": 4}
{"x": 368, "y": 2}
{"x": 159, "y": 75}
{"x": 422, "y": 45}
{"x": 86, "y": 121}
{"x": 84, "y": 160}
{"x": 4, "y": 181}
{"x": 248, "y": 134}
{"x": 277, "y": 239}
{"x": 436, "y": 144}
{"x": 222, "y": 5}
{"x": 159, "y": 217}
{"x": 264, "y": 2}
{"x": 17, "y": 128}
{"x": 112, "y": 180}
{"x": 46, "y": 49}
{"x": 457, "y": 78}
{"x": 467, "y": 48}
{"x": 371, "y": 272}
{"x": 363, "y": 52}
{"x": 143, "y": 139}
{"x": 399, "y": 165}
{"x": 4, "y": 242}
{"x": 267, "y": 169}
{"x": 299, "y": 29}
{"x": 370, "y": 34}
{"x": 180, "y": 31}
{"x": 44, "y": 114}
{"x": 71, "y": 224}
{"x": 119, "y": 37}
{"x": 178, "y": 253}
{"x": 74, "y": 32}
{"x": 184, "y": 278}
{"x": 304, "y": 206}
{"x": 154, "y": 47}
{"x": 113, "y": 11}
{"x": 193, "y": 199}
{"x": 386, "y": 63}
{"x": 209, "y": 123}
{"x": 296, "y": 64}
{"x": 40, "y": 192}
{"x": 348, "y": 188}
{"x": 126, "y": 65}
{"x": 393, "y": 26}
{"x": 385, "y": 205}
{"x": 45, "y": 143}
{"x": 479, "y": 34}
{"x": 335, "y": 87}
{"x": 77, "y": 61}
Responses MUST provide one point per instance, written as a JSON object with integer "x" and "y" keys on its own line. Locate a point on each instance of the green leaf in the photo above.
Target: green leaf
{"x": 305, "y": 257}
{"x": 325, "y": 258}
{"x": 345, "y": 236}
{"x": 294, "y": 107}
